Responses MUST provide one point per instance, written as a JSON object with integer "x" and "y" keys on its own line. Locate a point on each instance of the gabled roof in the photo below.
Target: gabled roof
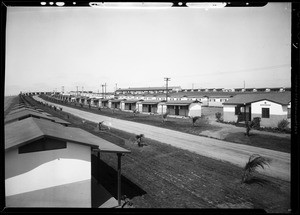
{"x": 116, "y": 100}
{"x": 22, "y": 109}
{"x": 180, "y": 102}
{"x": 132, "y": 101}
{"x": 24, "y": 114}
{"x": 31, "y": 129}
{"x": 278, "y": 97}
{"x": 150, "y": 102}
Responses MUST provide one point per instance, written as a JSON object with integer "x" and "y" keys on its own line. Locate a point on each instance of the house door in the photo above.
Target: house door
{"x": 176, "y": 110}
{"x": 116, "y": 105}
{"x": 149, "y": 108}
{"x": 129, "y": 106}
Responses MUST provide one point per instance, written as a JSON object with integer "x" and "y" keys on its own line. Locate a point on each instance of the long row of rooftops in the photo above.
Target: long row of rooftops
{"x": 178, "y": 89}
{"x": 161, "y": 90}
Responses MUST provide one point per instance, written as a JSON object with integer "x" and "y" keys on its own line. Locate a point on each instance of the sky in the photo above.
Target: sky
{"x": 51, "y": 47}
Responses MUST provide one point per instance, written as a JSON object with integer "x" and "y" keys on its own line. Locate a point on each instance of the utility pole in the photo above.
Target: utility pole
{"x": 77, "y": 90}
{"x": 102, "y": 90}
{"x": 105, "y": 90}
{"x": 167, "y": 79}
{"x": 116, "y": 89}
{"x": 82, "y": 91}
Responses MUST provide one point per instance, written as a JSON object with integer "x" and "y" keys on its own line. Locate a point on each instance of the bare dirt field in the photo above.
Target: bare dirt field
{"x": 158, "y": 175}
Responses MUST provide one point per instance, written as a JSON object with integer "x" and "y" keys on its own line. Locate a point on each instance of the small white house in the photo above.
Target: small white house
{"x": 149, "y": 106}
{"x": 271, "y": 107}
{"x": 180, "y": 108}
{"x": 130, "y": 105}
{"x": 49, "y": 165}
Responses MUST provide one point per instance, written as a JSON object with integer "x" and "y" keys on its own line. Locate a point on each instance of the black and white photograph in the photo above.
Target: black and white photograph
{"x": 148, "y": 105}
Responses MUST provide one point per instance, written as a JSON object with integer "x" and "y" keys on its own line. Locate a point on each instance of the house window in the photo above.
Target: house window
{"x": 237, "y": 110}
{"x": 265, "y": 113}
{"x": 289, "y": 113}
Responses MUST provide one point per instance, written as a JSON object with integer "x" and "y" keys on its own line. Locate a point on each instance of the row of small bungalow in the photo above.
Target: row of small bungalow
{"x": 49, "y": 164}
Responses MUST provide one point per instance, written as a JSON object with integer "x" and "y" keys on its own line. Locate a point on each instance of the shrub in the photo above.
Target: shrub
{"x": 253, "y": 163}
{"x": 255, "y": 123}
{"x": 218, "y": 116}
{"x": 195, "y": 118}
{"x": 165, "y": 116}
{"x": 139, "y": 139}
{"x": 283, "y": 125}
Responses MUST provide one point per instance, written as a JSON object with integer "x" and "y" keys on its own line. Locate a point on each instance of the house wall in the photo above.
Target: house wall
{"x": 204, "y": 101}
{"x": 229, "y": 113}
{"x": 194, "y": 110}
{"x": 183, "y": 110}
{"x": 145, "y": 108}
{"x": 54, "y": 178}
{"x": 122, "y": 105}
{"x": 127, "y": 106}
{"x": 139, "y": 106}
{"x": 278, "y": 112}
{"x": 216, "y": 102}
{"x": 161, "y": 108}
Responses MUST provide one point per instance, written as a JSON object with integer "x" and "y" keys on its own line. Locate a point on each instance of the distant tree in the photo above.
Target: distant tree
{"x": 165, "y": 116}
{"x": 194, "y": 119}
{"x": 135, "y": 112}
{"x": 248, "y": 128}
{"x": 251, "y": 166}
{"x": 219, "y": 117}
{"x": 100, "y": 125}
{"x": 255, "y": 123}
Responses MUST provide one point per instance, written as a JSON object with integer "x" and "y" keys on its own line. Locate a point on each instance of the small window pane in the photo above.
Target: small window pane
{"x": 265, "y": 113}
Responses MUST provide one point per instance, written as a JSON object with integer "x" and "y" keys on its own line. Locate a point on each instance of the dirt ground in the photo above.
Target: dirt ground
{"x": 205, "y": 126}
{"x": 161, "y": 176}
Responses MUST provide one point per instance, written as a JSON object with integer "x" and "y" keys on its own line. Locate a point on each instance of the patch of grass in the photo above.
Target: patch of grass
{"x": 261, "y": 140}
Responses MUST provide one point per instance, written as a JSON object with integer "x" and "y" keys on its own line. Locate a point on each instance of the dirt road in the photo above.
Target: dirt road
{"x": 236, "y": 154}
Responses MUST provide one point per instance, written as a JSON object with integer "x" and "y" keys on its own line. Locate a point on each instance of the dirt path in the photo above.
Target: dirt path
{"x": 227, "y": 128}
{"x": 237, "y": 154}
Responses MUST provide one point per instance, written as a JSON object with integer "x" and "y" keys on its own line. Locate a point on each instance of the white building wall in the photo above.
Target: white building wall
{"x": 194, "y": 110}
{"x": 43, "y": 177}
{"x": 161, "y": 108}
{"x": 229, "y": 113}
{"x": 122, "y": 105}
{"x": 277, "y": 112}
